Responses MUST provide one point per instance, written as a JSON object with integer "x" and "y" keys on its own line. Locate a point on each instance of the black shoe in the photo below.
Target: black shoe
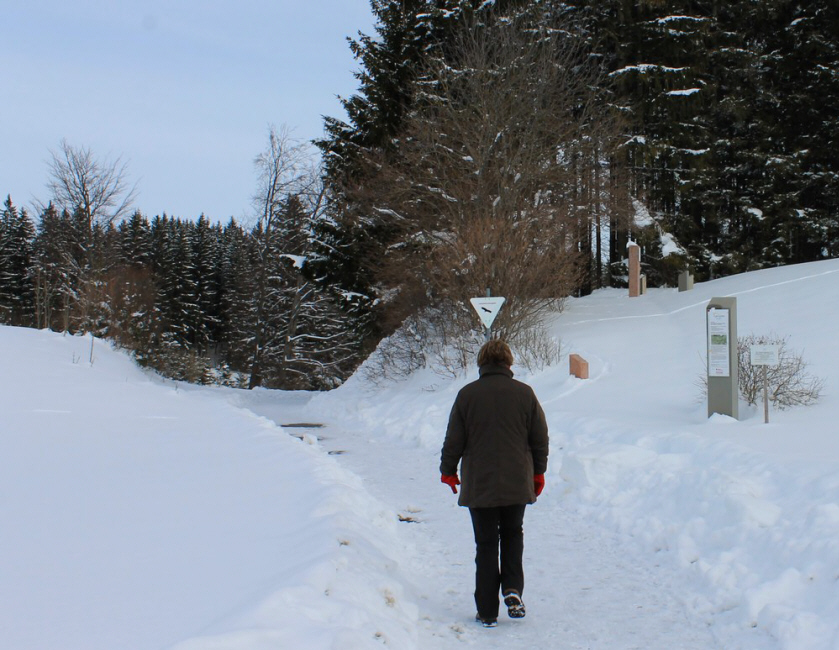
{"x": 486, "y": 622}
{"x": 515, "y": 606}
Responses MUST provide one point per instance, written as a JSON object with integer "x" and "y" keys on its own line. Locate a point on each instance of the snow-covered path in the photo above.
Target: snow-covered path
{"x": 584, "y": 592}
{"x": 659, "y": 527}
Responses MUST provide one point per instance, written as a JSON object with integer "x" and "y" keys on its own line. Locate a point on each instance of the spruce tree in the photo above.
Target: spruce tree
{"x": 237, "y": 297}
{"x": 135, "y": 240}
{"x": 17, "y": 235}
{"x": 206, "y": 265}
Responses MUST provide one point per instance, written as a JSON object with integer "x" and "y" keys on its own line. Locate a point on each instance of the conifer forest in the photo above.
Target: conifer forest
{"x": 514, "y": 145}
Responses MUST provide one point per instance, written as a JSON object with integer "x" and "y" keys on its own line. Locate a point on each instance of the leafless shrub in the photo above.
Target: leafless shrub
{"x": 789, "y": 383}
{"x": 535, "y": 349}
{"x": 398, "y": 355}
{"x": 447, "y": 342}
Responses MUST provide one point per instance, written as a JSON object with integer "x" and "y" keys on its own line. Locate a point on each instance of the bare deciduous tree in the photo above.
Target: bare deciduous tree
{"x": 281, "y": 168}
{"x": 94, "y": 193}
{"x": 290, "y": 194}
{"x": 97, "y": 189}
{"x": 483, "y": 184}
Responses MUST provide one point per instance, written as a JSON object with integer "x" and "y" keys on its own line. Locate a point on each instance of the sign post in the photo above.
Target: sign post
{"x": 487, "y": 308}
{"x": 723, "y": 379}
{"x": 765, "y": 355}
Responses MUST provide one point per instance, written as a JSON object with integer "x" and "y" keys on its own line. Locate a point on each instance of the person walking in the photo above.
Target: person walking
{"x": 498, "y": 433}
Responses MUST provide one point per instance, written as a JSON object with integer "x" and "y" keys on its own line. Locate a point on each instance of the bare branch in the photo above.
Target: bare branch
{"x": 483, "y": 184}
{"x": 789, "y": 382}
{"x": 98, "y": 190}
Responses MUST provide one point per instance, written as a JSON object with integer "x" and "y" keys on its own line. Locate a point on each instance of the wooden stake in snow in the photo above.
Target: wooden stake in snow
{"x": 634, "y": 269}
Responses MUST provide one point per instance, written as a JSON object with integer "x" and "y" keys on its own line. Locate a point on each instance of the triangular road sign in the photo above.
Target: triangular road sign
{"x": 487, "y": 308}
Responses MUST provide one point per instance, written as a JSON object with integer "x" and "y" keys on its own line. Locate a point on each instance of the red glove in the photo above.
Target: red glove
{"x": 451, "y": 480}
{"x": 538, "y": 483}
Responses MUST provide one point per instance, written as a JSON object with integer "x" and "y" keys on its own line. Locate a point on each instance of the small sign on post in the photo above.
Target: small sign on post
{"x": 765, "y": 355}
{"x": 487, "y": 308}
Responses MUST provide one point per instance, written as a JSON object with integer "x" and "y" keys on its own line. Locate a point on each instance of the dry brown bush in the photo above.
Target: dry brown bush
{"x": 483, "y": 186}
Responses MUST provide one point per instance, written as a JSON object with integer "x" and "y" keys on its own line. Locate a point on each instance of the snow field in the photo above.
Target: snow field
{"x": 137, "y": 513}
{"x": 140, "y": 513}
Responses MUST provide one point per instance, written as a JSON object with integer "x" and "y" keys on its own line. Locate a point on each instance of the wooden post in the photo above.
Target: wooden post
{"x": 685, "y": 281}
{"x": 634, "y": 269}
{"x": 578, "y": 366}
{"x": 765, "y": 397}
{"x": 488, "y": 330}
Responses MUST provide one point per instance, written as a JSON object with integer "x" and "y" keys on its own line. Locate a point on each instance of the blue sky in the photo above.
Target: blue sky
{"x": 184, "y": 91}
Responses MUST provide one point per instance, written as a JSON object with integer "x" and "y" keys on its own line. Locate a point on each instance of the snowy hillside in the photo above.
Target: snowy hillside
{"x": 138, "y": 513}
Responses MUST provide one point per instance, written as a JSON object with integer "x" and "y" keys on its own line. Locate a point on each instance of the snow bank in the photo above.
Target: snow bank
{"x": 745, "y": 514}
{"x": 138, "y": 513}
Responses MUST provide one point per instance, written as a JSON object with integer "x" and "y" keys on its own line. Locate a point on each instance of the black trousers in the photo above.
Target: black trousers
{"x": 496, "y": 528}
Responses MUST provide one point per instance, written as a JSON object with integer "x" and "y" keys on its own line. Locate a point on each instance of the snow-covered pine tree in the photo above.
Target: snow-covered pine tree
{"x": 175, "y": 303}
{"x": 61, "y": 256}
{"x": 238, "y": 309}
{"x": 350, "y": 244}
{"x": 312, "y": 344}
{"x": 131, "y": 291}
{"x": 205, "y": 269}
{"x": 17, "y": 292}
{"x": 799, "y": 104}
{"x": 135, "y": 240}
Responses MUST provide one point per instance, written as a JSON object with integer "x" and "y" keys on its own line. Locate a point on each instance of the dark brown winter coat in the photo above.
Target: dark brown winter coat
{"x": 498, "y": 429}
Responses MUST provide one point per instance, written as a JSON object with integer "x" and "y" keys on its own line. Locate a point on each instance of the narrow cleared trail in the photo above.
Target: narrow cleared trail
{"x": 583, "y": 591}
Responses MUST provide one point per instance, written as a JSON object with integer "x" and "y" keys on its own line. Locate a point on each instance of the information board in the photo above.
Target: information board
{"x": 719, "y": 351}
{"x": 765, "y": 355}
